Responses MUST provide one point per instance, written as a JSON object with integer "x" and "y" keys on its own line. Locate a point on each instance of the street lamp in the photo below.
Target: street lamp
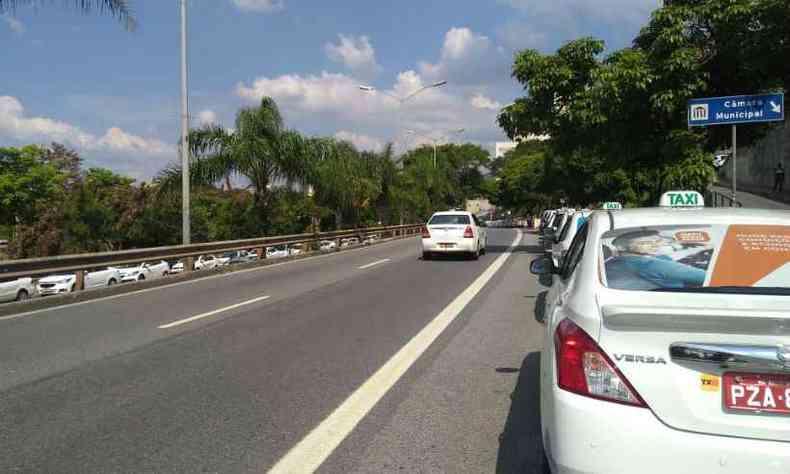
{"x": 403, "y": 99}
{"x": 435, "y": 141}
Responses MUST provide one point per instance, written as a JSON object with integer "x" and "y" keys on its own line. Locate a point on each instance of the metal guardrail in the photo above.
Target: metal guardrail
{"x": 717, "y": 199}
{"x": 80, "y": 263}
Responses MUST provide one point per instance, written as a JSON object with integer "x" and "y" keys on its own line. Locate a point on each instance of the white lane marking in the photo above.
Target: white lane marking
{"x": 383, "y": 260}
{"x": 212, "y": 313}
{"x": 308, "y": 455}
{"x": 196, "y": 280}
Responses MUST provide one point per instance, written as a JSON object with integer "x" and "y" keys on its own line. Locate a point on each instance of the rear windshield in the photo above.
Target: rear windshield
{"x": 449, "y": 219}
{"x": 704, "y": 258}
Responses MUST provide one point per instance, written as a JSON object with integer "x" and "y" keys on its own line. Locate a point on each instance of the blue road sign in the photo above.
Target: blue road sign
{"x": 736, "y": 109}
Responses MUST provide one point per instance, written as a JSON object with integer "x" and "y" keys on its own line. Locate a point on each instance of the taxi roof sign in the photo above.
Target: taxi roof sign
{"x": 611, "y": 206}
{"x": 681, "y": 199}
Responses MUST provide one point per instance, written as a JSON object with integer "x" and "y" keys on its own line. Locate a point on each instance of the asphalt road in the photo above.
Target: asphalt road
{"x": 162, "y": 381}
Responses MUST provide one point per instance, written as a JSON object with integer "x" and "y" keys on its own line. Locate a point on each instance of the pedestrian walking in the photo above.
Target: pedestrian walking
{"x": 779, "y": 178}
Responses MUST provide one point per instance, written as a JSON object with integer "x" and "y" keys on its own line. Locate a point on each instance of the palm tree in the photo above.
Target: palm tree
{"x": 260, "y": 149}
{"x": 120, "y": 9}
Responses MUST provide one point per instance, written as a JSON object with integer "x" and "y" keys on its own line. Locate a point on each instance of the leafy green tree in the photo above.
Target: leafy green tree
{"x": 26, "y": 181}
{"x": 260, "y": 150}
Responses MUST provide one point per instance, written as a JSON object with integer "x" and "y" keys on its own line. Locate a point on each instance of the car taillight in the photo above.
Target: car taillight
{"x": 583, "y": 368}
{"x": 425, "y": 233}
{"x": 468, "y": 234}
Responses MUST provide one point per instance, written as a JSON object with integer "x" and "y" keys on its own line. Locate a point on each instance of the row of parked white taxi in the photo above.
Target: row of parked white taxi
{"x": 22, "y": 289}
{"x": 667, "y": 344}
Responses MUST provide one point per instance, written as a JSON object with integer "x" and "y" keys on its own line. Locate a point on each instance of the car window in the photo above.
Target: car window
{"x": 574, "y": 253}
{"x": 698, "y": 258}
{"x": 450, "y": 219}
{"x": 565, "y": 229}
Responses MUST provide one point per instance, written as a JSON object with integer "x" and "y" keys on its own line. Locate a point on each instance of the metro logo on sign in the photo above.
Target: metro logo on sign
{"x": 736, "y": 109}
{"x": 699, "y": 112}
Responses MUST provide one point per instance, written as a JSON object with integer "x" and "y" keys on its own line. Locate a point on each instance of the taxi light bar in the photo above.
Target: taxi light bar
{"x": 583, "y": 368}
{"x": 682, "y": 199}
{"x": 468, "y": 234}
{"x": 425, "y": 233}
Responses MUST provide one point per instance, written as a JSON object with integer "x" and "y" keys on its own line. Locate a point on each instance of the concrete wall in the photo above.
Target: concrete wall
{"x": 756, "y": 163}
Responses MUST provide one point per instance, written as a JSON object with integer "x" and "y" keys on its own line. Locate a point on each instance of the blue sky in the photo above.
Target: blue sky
{"x": 113, "y": 95}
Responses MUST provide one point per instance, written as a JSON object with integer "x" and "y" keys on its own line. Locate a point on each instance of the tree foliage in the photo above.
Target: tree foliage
{"x": 258, "y": 179}
{"x": 618, "y": 122}
{"x": 120, "y": 9}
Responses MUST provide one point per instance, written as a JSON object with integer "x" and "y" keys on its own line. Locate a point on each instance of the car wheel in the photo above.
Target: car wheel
{"x": 73, "y": 287}
{"x": 427, "y": 256}
{"x": 141, "y": 278}
{"x": 22, "y": 295}
{"x": 111, "y": 282}
{"x": 475, "y": 255}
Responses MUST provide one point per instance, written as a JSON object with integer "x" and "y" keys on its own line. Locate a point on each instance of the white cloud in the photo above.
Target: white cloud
{"x": 207, "y": 117}
{"x": 468, "y": 58}
{"x": 15, "y": 125}
{"x": 15, "y": 25}
{"x": 546, "y": 24}
{"x": 262, "y": 6}
{"x": 356, "y": 53}
{"x": 332, "y": 104}
{"x": 479, "y": 101}
{"x": 609, "y": 11}
{"x": 361, "y": 141}
{"x": 334, "y": 101}
{"x": 521, "y": 35}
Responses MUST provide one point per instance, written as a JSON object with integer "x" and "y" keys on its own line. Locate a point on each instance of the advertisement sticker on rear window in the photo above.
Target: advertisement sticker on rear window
{"x": 669, "y": 257}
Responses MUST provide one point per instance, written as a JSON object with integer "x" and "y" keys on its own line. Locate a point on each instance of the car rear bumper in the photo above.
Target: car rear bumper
{"x": 448, "y": 246}
{"x": 584, "y": 435}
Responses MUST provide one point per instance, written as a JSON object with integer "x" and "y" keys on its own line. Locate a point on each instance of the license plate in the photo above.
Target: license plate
{"x": 446, "y": 246}
{"x": 757, "y": 393}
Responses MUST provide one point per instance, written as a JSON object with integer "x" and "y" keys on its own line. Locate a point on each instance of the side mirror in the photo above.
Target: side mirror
{"x": 542, "y": 266}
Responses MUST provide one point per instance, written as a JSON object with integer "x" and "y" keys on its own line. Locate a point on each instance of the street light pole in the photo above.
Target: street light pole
{"x": 185, "y": 221}
{"x": 403, "y": 99}
{"x": 435, "y": 141}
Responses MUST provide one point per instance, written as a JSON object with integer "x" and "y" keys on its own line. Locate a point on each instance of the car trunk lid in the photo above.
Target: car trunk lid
{"x": 447, "y": 232}
{"x": 677, "y": 351}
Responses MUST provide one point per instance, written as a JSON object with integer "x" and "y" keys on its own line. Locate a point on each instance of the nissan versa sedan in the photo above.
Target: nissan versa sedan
{"x": 453, "y": 232}
{"x": 667, "y": 344}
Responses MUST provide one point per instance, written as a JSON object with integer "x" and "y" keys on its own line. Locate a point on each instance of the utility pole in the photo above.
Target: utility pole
{"x": 734, "y": 160}
{"x": 185, "y": 223}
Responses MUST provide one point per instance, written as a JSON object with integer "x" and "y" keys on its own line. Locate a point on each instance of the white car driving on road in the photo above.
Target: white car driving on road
{"x": 667, "y": 346}
{"x": 144, "y": 271}
{"x": 453, "y": 232}
{"x": 66, "y": 283}
{"x": 19, "y": 289}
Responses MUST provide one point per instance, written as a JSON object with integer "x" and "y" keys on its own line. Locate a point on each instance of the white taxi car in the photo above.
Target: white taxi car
{"x": 67, "y": 283}
{"x": 453, "y": 232}
{"x": 566, "y": 235}
{"x": 667, "y": 345}
{"x": 18, "y": 289}
{"x": 552, "y": 231}
{"x": 144, "y": 271}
